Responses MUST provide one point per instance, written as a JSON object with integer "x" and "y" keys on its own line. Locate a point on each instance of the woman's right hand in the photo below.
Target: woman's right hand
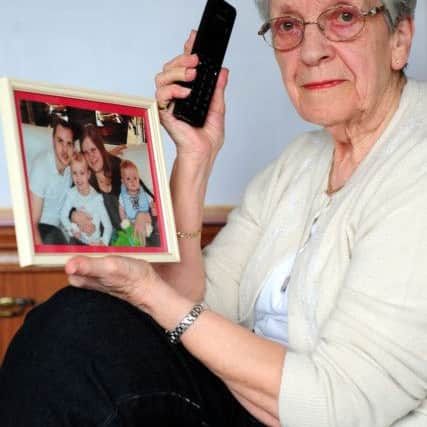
{"x": 196, "y": 144}
{"x": 84, "y": 221}
{"x": 196, "y": 151}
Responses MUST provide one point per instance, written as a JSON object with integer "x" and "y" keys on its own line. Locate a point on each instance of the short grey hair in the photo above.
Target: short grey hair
{"x": 396, "y": 10}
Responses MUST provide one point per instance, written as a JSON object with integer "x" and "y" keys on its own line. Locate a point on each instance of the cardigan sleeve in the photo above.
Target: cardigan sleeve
{"x": 369, "y": 365}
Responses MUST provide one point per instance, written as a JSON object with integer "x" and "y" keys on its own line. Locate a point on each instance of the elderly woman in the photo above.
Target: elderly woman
{"x": 316, "y": 288}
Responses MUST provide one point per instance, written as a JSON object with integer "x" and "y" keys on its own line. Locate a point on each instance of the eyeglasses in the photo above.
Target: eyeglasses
{"x": 340, "y": 23}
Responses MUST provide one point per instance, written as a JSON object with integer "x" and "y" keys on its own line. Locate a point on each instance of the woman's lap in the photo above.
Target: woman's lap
{"x": 85, "y": 358}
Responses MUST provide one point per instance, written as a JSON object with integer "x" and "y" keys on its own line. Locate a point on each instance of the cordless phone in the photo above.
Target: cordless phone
{"x": 210, "y": 46}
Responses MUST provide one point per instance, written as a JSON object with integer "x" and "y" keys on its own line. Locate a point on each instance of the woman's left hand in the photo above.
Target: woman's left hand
{"x": 124, "y": 278}
{"x": 153, "y": 208}
{"x": 83, "y": 220}
{"x": 118, "y": 150}
{"x": 140, "y": 225}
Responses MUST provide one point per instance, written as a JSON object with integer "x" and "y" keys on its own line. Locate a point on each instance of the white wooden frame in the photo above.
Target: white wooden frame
{"x": 12, "y": 92}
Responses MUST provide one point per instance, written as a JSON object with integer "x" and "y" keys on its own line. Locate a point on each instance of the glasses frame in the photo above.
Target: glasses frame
{"x": 373, "y": 11}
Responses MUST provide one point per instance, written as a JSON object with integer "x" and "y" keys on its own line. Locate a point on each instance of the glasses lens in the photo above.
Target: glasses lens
{"x": 286, "y": 32}
{"x": 341, "y": 23}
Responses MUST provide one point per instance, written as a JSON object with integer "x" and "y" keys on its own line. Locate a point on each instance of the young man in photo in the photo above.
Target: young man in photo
{"x": 50, "y": 180}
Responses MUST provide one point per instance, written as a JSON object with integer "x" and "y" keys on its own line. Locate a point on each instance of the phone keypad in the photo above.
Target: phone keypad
{"x": 194, "y": 108}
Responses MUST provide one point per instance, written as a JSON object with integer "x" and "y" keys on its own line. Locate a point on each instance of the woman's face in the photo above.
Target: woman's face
{"x": 93, "y": 155}
{"x": 335, "y": 82}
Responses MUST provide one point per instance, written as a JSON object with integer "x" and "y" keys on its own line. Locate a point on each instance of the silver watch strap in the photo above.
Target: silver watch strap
{"x": 174, "y": 336}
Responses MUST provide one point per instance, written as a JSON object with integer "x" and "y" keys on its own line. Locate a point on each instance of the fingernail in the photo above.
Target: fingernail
{"x": 189, "y": 36}
{"x": 185, "y": 91}
{"x": 190, "y": 73}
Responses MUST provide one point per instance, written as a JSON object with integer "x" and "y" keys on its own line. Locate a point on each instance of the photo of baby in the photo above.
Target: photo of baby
{"x": 133, "y": 201}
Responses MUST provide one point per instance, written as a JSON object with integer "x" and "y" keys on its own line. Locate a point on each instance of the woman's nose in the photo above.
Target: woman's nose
{"x": 315, "y": 47}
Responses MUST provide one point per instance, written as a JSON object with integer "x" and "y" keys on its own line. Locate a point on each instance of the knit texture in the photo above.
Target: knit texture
{"x": 358, "y": 292}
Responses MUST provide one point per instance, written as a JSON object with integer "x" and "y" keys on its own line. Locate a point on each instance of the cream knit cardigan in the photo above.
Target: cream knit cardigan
{"x": 358, "y": 292}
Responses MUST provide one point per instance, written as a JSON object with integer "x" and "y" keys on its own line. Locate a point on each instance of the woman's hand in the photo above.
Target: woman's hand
{"x": 196, "y": 152}
{"x": 196, "y": 143}
{"x": 124, "y": 278}
{"x": 153, "y": 208}
{"x": 140, "y": 226}
{"x": 84, "y": 221}
{"x": 118, "y": 150}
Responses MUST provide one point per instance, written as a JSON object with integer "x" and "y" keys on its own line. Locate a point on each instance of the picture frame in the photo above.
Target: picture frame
{"x": 87, "y": 174}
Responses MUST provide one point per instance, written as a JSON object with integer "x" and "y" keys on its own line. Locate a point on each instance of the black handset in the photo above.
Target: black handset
{"x": 210, "y": 45}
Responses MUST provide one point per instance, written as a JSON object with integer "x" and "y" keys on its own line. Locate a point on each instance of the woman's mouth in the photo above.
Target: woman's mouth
{"x": 323, "y": 84}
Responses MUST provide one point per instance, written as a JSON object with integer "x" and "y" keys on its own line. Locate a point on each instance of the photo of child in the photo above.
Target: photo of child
{"x": 133, "y": 201}
{"x": 83, "y": 197}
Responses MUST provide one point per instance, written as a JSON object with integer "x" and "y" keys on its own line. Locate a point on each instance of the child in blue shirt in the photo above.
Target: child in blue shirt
{"x": 133, "y": 199}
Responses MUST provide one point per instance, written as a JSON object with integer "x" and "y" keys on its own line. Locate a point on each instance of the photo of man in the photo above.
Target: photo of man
{"x": 50, "y": 179}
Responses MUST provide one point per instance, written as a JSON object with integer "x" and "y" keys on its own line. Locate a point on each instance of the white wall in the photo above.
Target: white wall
{"x": 119, "y": 46}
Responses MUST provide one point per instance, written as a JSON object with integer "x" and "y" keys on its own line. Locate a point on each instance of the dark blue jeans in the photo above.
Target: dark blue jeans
{"x": 87, "y": 359}
{"x": 51, "y": 235}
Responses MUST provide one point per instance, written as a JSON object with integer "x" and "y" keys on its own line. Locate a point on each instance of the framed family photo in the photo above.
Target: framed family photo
{"x": 87, "y": 174}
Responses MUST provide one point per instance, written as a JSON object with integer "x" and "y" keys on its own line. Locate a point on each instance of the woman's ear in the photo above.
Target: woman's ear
{"x": 401, "y": 43}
